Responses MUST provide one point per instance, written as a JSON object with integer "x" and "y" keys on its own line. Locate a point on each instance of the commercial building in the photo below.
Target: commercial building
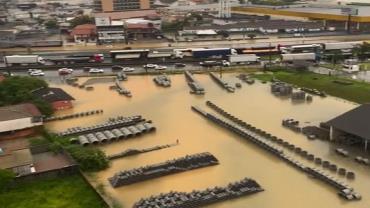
{"x": 142, "y": 28}
{"x": 146, "y": 14}
{"x": 332, "y": 16}
{"x": 263, "y": 26}
{"x": 121, "y": 5}
{"x": 19, "y": 120}
{"x": 352, "y": 125}
{"x": 113, "y": 27}
{"x": 109, "y": 31}
{"x": 57, "y": 97}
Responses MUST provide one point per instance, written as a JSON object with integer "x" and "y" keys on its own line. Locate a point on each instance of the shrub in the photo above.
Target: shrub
{"x": 89, "y": 159}
{"x": 6, "y": 177}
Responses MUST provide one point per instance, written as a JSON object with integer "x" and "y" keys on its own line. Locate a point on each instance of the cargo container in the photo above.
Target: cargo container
{"x": 23, "y": 60}
{"x": 213, "y": 52}
{"x": 244, "y": 59}
{"x": 298, "y": 57}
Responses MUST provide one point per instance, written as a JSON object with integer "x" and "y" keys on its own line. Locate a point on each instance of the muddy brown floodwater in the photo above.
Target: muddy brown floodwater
{"x": 169, "y": 109}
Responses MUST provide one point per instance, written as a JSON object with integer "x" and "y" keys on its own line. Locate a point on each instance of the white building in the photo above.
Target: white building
{"x": 109, "y": 31}
{"x": 14, "y": 118}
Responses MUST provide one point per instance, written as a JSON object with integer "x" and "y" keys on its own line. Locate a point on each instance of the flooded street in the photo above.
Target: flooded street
{"x": 169, "y": 109}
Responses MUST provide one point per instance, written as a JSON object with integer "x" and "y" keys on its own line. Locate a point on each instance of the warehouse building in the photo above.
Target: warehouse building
{"x": 332, "y": 16}
{"x": 57, "y": 97}
{"x": 352, "y": 125}
{"x": 19, "y": 120}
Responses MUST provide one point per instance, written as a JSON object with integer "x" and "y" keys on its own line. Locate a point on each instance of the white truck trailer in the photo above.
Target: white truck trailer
{"x": 244, "y": 59}
{"x": 23, "y": 60}
{"x": 341, "y": 45}
{"x": 298, "y": 57}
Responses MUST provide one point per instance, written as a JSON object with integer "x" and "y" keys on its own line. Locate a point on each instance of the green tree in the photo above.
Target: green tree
{"x": 336, "y": 57}
{"x": 362, "y": 51}
{"x": 51, "y": 24}
{"x": 89, "y": 159}
{"x": 80, "y": 20}
{"x": 6, "y": 177}
{"x": 15, "y": 90}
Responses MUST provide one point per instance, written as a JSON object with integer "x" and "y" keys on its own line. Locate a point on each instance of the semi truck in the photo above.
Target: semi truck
{"x": 213, "y": 52}
{"x": 94, "y": 58}
{"x": 244, "y": 59}
{"x": 23, "y": 60}
{"x": 298, "y": 57}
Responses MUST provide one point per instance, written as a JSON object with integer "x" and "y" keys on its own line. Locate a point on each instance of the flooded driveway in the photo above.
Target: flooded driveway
{"x": 169, "y": 109}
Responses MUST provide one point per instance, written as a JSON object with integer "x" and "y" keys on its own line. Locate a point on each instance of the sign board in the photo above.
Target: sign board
{"x": 349, "y": 11}
{"x": 102, "y": 21}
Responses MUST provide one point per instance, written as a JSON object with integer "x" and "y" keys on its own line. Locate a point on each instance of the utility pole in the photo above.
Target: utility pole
{"x": 349, "y": 24}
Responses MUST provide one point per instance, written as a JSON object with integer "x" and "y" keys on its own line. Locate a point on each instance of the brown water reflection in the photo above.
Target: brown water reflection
{"x": 169, "y": 108}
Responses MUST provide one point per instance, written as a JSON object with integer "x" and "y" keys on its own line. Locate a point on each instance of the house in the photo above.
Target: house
{"x": 19, "y": 120}
{"x": 85, "y": 33}
{"x": 57, "y": 97}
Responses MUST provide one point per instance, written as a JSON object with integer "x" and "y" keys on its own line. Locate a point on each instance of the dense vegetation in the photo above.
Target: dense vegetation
{"x": 80, "y": 20}
{"x": 355, "y": 91}
{"x": 69, "y": 191}
{"x": 6, "y": 177}
{"x": 89, "y": 158}
{"x": 15, "y": 90}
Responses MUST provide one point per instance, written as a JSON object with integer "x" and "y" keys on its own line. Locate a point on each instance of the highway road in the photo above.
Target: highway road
{"x": 54, "y": 77}
{"x": 274, "y": 40}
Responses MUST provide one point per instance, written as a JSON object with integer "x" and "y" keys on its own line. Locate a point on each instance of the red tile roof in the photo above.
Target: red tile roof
{"x": 86, "y": 29}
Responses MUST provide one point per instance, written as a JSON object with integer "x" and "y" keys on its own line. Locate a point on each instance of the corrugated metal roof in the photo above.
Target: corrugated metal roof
{"x": 13, "y": 112}
{"x": 355, "y": 121}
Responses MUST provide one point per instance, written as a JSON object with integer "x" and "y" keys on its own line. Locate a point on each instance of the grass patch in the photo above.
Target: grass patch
{"x": 358, "y": 92}
{"x": 69, "y": 191}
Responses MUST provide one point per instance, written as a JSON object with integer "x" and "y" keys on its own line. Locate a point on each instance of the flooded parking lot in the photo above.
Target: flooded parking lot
{"x": 169, "y": 109}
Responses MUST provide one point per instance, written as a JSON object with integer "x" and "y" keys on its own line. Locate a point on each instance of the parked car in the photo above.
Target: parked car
{"x": 33, "y": 70}
{"x": 128, "y": 69}
{"x": 180, "y": 65}
{"x": 37, "y": 73}
{"x": 117, "y": 68}
{"x": 96, "y": 70}
{"x": 160, "y": 67}
{"x": 150, "y": 66}
{"x": 65, "y": 71}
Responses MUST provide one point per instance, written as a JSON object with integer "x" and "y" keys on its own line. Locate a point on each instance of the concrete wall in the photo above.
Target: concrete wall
{"x": 17, "y": 124}
{"x": 144, "y": 4}
{"x": 107, "y": 5}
